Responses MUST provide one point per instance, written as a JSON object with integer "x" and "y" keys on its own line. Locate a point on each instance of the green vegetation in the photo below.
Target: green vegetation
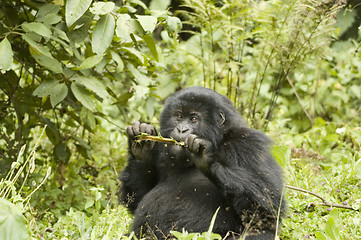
{"x": 74, "y": 74}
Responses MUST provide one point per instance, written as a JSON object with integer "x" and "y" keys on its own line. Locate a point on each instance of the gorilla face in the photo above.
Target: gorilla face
{"x": 185, "y": 123}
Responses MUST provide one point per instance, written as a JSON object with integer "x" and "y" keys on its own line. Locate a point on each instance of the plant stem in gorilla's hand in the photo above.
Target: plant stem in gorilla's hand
{"x": 146, "y": 137}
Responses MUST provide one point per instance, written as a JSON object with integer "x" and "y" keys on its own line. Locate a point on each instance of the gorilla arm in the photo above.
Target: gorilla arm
{"x": 140, "y": 175}
{"x": 242, "y": 167}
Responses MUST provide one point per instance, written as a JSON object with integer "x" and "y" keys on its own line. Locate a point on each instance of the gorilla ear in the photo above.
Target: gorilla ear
{"x": 223, "y": 118}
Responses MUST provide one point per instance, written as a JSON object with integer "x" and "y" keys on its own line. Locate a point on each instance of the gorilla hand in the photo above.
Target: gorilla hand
{"x": 142, "y": 149}
{"x": 202, "y": 151}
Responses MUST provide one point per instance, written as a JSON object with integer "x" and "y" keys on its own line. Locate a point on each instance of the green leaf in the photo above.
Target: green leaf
{"x": 62, "y": 152}
{"x": 103, "y": 34}
{"x": 148, "y": 23}
{"x": 57, "y": 94}
{"x": 89, "y": 203}
{"x": 44, "y": 89}
{"x": 83, "y": 96}
{"x": 124, "y": 28}
{"x": 174, "y": 24}
{"x": 135, "y": 53}
{"x": 140, "y": 91}
{"x": 38, "y": 28}
{"x": 93, "y": 84}
{"x": 90, "y": 62}
{"x": 57, "y": 91}
{"x": 49, "y": 63}
{"x": 151, "y": 44}
{"x": 74, "y": 9}
{"x": 12, "y": 222}
{"x": 118, "y": 60}
{"x": 159, "y": 4}
{"x": 282, "y": 154}
{"x": 321, "y": 236}
{"x": 140, "y": 78}
{"x": 332, "y": 230}
{"x": 6, "y": 54}
{"x": 35, "y": 47}
{"x": 102, "y": 8}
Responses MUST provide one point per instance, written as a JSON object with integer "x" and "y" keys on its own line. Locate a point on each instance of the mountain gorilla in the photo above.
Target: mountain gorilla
{"x": 224, "y": 164}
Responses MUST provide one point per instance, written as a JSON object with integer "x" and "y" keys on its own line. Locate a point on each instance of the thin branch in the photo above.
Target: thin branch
{"x": 324, "y": 202}
{"x": 145, "y": 137}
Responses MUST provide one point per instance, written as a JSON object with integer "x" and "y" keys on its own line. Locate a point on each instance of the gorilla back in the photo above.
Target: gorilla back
{"x": 224, "y": 164}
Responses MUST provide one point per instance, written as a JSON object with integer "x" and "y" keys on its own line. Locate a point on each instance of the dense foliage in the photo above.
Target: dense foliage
{"x": 75, "y": 73}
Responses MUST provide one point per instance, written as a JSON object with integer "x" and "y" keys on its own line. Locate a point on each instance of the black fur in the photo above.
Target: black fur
{"x": 224, "y": 164}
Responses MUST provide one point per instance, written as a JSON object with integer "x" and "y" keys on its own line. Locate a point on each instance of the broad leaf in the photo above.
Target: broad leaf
{"x": 101, "y": 8}
{"x": 124, "y": 28}
{"x": 83, "y": 96}
{"x": 118, "y": 60}
{"x": 140, "y": 78}
{"x": 6, "y": 54}
{"x": 38, "y": 28}
{"x": 49, "y": 63}
{"x": 91, "y": 62}
{"x": 147, "y": 22}
{"x": 57, "y": 94}
{"x": 12, "y": 222}
{"x": 44, "y": 89}
{"x": 74, "y": 9}
{"x": 103, "y": 34}
{"x": 151, "y": 44}
{"x": 36, "y": 48}
{"x": 174, "y": 24}
{"x": 62, "y": 152}
{"x": 93, "y": 84}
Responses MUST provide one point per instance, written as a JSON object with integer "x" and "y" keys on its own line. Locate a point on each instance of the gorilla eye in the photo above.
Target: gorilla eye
{"x": 179, "y": 116}
{"x": 194, "y": 119}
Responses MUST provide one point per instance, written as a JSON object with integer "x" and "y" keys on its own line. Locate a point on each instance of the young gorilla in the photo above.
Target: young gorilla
{"x": 223, "y": 164}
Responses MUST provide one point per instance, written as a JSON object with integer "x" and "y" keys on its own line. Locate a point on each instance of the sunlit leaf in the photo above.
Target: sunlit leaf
{"x": 282, "y": 154}
{"x": 118, "y": 60}
{"x": 103, "y": 34}
{"x": 93, "y": 84}
{"x": 124, "y": 28}
{"x": 91, "y": 62}
{"x": 102, "y": 8}
{"x": 140, "y": 78}
{"x": 151, "y": 44}
{"x": 74, "y": 9}
{"x": 147, "y": 22}
{"x": 12, "y": 222}
{"x": 83, "y": 96}
{"x": 159, "y": 4}
{"x": 174, "y": 24}
{"x": 6, "y": 54}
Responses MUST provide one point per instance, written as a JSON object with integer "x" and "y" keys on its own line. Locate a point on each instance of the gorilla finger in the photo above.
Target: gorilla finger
{"x": 189, "y": 140}
{"x": 197, "y": 145}
{"x": 130, "y": 132}
{"x": 149, "y": 129}
{"x": 143, "y": 127}
{"x": 136, "y": 128}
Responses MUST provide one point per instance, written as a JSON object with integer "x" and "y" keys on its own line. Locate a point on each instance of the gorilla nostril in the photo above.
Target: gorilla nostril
{"x": 183, "y": 129}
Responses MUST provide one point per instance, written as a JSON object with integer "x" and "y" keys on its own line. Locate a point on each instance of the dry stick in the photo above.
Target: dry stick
{"x": 324, "y": 202}
{"x": 145, "y": 137}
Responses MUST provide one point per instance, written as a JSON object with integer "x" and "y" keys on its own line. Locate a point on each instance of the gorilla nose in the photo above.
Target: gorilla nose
{"x": 183, "y": 129}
